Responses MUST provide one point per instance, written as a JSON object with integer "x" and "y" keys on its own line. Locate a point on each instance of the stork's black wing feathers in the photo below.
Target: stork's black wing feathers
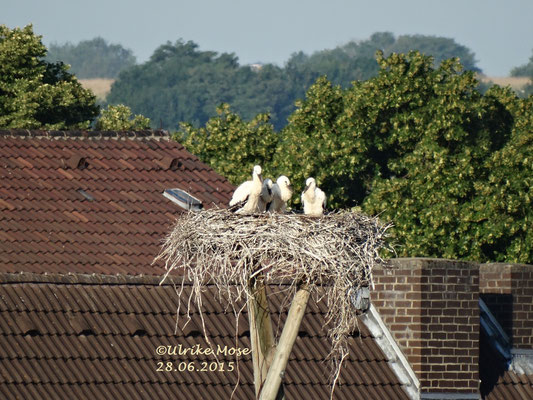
{"x": 239, "y": 205}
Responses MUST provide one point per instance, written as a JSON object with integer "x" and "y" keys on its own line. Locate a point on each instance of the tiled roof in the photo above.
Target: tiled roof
{"x": 512, "y": 386}
{"x": 91, "y": 202}
{"x": 82, "y": 313}
{"x": 498, "y": 379}
{"x": 96, "y": 336}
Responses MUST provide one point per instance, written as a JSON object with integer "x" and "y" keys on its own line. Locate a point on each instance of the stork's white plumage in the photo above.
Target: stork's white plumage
{"x": 281, "y": 193}
{"x": 266, "y": 195}
{"x": 247, "y": 193}
{"x": 313, "y": 198}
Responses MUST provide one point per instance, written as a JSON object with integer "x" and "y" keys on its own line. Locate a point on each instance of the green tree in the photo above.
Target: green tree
{"x": 355, "y": 60}
{"x": 92, "y": 58}
{"x": 312, "y": 145}
{"x": 440, "y": 48}
{"x": 342, "y": 65}
{"x": 231, "y": 145}
{"x": 504, "y": 202}
{"x": 267, "y": 90}
{"x": 120, "y": 118}
{"x": 180, "y": 83}
{"x": 422, "y": 147}
{"x": 34, "y": 93}
{"x": 432, "y": 136}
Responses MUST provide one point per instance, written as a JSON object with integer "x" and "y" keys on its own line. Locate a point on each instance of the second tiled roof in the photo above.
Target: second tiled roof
{"x": 92, "y": 202}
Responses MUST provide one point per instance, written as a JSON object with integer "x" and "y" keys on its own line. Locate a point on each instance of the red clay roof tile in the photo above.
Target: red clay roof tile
{"x": 46, "y": 219}
{"x": 498, "y": 380}
{"x": 101, "y": 332}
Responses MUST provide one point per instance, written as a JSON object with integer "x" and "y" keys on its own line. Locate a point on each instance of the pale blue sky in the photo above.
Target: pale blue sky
{"x": 499, "y": 32}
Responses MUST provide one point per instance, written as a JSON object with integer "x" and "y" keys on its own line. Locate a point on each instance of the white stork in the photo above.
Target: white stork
{"x": 246, "y": 196}
{"x": 281, "y": 193}
{"x": 313, "y": 199}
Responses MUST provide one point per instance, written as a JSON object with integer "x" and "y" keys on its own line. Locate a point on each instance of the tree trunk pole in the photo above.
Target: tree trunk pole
{"x": 284, "y": 347}
{"x": 261, "y": 333}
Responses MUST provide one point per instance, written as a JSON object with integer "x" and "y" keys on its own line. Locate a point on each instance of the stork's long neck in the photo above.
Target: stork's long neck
{"x": 257, "y": 183}
{"x": 311, "y": 191}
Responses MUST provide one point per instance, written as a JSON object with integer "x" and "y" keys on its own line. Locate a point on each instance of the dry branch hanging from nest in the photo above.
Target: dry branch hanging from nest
{"x": 336, "y": 252}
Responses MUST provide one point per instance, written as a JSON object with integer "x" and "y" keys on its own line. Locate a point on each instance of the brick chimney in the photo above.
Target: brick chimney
{"x": 507, "y": 290}
{"x": 431, "y": 308}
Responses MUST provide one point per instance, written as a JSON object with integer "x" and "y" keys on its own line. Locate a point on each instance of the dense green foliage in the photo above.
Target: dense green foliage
{"x": 434, "y": 164}
{"x": 356, "y": 60}
{"x": 505, "y": 231}
{"x": 418, "y": 144}
{"x": 313, "y": 145}
{"x": 37, "y": 94}
{"x": 183, "y": 84}
{"x": 180, "y": 83}
{"x": 92, "y": 58}
{"x": 120, "y": 118}
{"x": 230, "y": 145}
{"x": 439, "y": 48}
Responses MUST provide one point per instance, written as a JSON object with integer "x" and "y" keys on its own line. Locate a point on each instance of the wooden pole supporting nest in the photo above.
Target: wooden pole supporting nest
{"x": 276, "y": 372}
{"x": 261, "y": 333}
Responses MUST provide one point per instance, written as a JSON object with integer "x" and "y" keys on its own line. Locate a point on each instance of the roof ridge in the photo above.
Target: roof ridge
{"x": 89, "y": 279}
{"x": 84, "y": 134}
{"x": 118, "y": 278}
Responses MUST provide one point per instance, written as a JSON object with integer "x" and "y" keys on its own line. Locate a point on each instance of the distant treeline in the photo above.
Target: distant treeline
{"x": 92, "y": 58}
{"x": 180, "y": 83}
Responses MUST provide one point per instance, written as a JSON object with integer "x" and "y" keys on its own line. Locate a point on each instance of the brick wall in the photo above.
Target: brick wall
{"x": 431, "y": 308}
{"x": 507, "y": 289}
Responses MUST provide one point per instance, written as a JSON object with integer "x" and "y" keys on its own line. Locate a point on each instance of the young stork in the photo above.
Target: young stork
{"x": 246, "y": 196}
{"x": 281, "y": 193}
{"x": 313, "y": 199}
{"x": 266, "y": 195}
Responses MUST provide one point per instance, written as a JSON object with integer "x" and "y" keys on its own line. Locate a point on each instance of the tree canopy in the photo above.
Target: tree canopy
{"x": 120, "y": 118}
{"x": 92, "y": 58}
{"x": 417, "y": 144}
{"x": 181, "y": 83}
{"x": 231, "y": 145}
{"x": 35, "y": 94}
{"x": 440, "y": 48}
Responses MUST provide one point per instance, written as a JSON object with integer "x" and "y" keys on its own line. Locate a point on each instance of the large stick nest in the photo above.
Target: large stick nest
{"x": 335, "y": 252}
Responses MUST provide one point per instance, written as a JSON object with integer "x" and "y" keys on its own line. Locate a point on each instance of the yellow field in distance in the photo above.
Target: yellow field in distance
{"x": 99, "y": 86}
{"x": 516, "y": 82}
